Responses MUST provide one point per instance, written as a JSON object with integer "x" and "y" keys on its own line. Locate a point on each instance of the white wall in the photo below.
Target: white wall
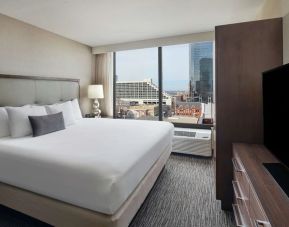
{"x": 286, "y": 39}
{"x": 30, "y": 51}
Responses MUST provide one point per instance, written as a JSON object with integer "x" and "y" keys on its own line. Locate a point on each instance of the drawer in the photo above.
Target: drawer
{"x": 258, "y": 216}
{"x": 243, "y": 204}
{"x": 239, "y": 218}
{"x": 239, "y": 193}
{"x": 238, "y": 167}
{"x": 241, "y": 177}
{"x": 244, "y": 212}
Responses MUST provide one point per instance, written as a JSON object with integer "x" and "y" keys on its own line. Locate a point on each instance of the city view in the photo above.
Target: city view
{"x": 187, "y": 95}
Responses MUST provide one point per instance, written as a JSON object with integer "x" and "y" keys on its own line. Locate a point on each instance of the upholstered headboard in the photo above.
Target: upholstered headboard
{"x": 22, "y": 90}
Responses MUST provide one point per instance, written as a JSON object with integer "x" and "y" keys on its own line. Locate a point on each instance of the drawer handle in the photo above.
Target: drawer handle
{"x": 259, "y": 223}
{"x": 237, "y": 215}
{"x": 236, "y": 166}
{"x": 237, "y": 191}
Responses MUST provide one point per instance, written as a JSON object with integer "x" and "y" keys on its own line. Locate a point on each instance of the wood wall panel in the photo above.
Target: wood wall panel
{"x": 243, "y": 52}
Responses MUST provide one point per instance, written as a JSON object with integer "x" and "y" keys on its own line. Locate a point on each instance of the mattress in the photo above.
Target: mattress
{"x": 95, "y": 164}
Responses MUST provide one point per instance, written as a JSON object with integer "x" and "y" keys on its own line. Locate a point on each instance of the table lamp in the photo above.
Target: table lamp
{"x": 95, "y": 92}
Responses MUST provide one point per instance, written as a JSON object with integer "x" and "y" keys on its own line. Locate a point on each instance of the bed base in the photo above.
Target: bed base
{"x": 58, "y": 213}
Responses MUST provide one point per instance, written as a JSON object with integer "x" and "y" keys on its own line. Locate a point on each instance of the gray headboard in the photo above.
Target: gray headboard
{"x": 22, "y": 90}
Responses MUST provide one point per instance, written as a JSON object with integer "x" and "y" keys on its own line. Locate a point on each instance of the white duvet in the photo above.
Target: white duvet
{"x": 95, "y": 164}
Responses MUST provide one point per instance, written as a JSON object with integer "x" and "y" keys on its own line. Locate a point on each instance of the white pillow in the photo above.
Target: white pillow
{"x": 4, "y": 123}
{"x": 18, "y": 119}
{"x": 66, "y": 109}
{"x": 76, "y": 109}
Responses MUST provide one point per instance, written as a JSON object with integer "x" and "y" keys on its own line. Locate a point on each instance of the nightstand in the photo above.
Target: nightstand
{"x": 109, "y": 117}
{"x": 89, "y": 116}
{"x": 93, "y": 116}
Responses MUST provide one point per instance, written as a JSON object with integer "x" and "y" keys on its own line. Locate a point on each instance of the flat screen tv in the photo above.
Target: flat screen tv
{"x": 276, "y": 112}
{"x": 276, "y": 115}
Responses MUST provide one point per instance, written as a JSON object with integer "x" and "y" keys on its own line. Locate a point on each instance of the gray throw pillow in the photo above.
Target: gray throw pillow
{"x": 42, "y": 125}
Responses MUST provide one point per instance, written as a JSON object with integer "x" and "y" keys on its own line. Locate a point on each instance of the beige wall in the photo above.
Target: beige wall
{"x": 278, "y": 8}
{"x": 181, "y": 39}
{"x": 28, "y": 50}
{"x": 286, "y": 38}
{"x": 270, "y": 9}
{"x": 273, "y": 9}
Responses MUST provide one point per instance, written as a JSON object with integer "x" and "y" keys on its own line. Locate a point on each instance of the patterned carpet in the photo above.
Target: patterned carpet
{"x": 183, "y": 196}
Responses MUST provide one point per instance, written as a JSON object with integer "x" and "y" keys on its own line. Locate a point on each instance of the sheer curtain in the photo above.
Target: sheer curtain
{"x": 104, "y": 76}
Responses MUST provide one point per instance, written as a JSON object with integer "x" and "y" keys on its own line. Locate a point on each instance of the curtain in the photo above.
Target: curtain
{"x": 104, "y": 76}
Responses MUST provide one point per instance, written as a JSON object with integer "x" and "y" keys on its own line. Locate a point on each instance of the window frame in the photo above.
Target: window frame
{"x": 160, "y": 94}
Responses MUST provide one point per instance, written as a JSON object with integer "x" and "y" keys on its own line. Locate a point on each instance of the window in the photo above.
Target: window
{"x": 136, "y": 86}
{"x": 188, "y": 81}
{"x": 187, "y": 84}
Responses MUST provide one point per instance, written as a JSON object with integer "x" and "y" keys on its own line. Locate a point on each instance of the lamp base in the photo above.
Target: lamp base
{"x": 95, "y": 109}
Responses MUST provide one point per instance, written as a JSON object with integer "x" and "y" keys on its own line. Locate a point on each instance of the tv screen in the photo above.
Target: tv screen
{"x": 276, "y": 112}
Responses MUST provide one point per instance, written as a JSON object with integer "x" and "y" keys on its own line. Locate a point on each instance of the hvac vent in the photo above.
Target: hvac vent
{"x": 192, "y": 141}
{"x": 185, "y": 133}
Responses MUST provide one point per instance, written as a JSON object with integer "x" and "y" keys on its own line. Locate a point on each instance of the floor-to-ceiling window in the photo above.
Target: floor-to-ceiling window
{"x": 186, "y": 83}
{"x": 188, "y": 80}
{"x": 136, "y": 84}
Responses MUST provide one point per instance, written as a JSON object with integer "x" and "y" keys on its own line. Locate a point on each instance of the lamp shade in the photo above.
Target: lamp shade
{"x": 95, "y": 91}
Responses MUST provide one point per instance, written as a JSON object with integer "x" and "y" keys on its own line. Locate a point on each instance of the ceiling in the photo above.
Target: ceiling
{"x": 103, "y": 22}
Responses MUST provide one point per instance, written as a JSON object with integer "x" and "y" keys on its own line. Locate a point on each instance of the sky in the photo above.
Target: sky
{"x": 134, "y": 65}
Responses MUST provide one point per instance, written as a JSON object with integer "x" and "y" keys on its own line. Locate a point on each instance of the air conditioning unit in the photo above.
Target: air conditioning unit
{"x": 193, "y": 141}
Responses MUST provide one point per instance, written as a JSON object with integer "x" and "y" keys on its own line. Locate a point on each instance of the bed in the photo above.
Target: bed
{"x": 97, "y": 172}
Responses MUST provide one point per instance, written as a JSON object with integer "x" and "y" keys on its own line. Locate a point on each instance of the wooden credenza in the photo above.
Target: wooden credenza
{"x": 258, "y": 199}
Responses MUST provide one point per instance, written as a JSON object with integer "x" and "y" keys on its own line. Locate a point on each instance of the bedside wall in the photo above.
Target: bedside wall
{"x": 30, "y": 51}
